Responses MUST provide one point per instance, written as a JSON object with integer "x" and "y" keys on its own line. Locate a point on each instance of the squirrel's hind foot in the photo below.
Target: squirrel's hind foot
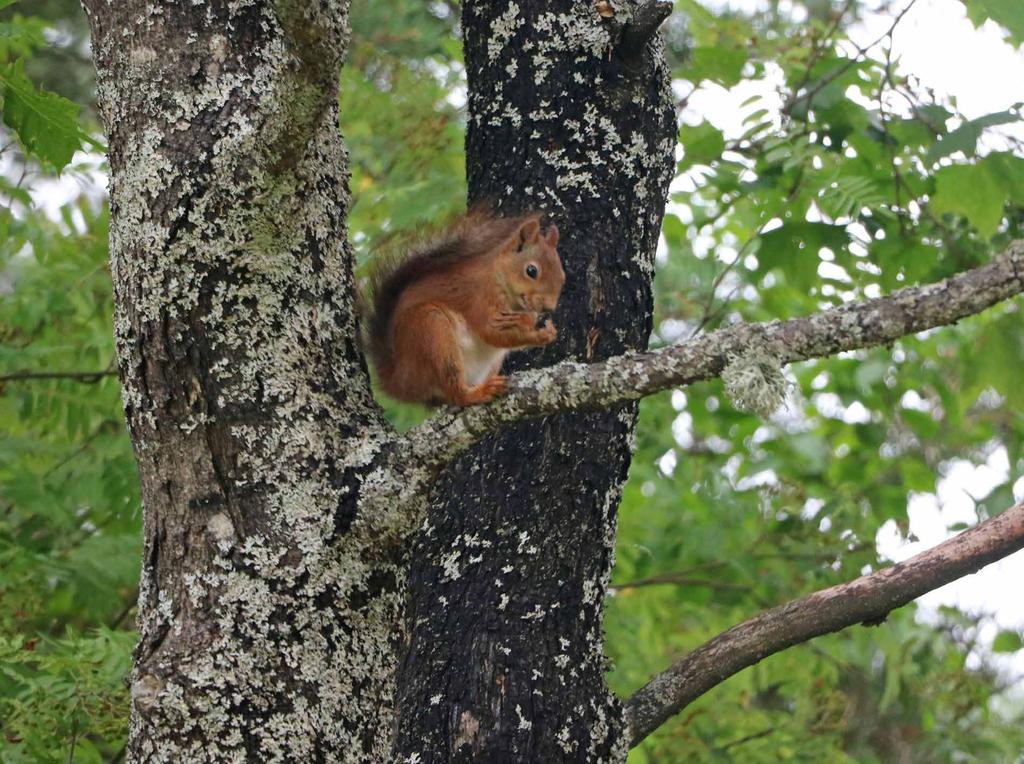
{"x": 486, "y": 391}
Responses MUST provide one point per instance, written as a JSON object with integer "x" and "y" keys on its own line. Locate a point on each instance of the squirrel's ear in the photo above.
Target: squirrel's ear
{"x": 529, "y": 232}
{"x": 551, "y": 237}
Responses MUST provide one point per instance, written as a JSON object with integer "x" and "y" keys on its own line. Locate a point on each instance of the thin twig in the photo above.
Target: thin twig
{"x": 707, "y": 314}
{"x": 677, "y": 580}
{"x": 840, "y": 71}
{"x": 74, "y": 732}
{"x": 74, "y": 454}
{"x": 888, "y": 140}
{"x": 818, "y": 47}
{"x": 133, "y": 600}
{"x": 86, "y": 377}
{"x": 748, "y": 738}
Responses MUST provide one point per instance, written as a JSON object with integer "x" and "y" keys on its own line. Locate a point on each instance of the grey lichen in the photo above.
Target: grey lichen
{"x": 503, "y": 29}
{"x": 754, "y": 381}
{"x": 145, "y": 692}
{"x": 227, "y": 240}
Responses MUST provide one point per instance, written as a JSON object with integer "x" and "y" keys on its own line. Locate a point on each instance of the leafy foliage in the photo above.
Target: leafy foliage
{"x": 846, "y": 181}
{"x": 46, "y": 124}
{"x": 399, "y": 120}
{"x": 69, "y": 506}
{"x": 65, "y": 694}
{"x": 1006, "y": 12}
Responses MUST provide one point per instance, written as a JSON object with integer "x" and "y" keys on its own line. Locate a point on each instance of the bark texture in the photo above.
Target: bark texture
{"x": 266, "y": 610}
{"x": 509, "y": 575}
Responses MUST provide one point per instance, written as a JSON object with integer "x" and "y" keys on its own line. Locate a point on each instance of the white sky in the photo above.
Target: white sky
{"x": 937, "y": 44}
{"x": 934, "y": 42}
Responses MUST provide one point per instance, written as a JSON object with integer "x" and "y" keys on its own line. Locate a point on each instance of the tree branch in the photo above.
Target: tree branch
{"x": 677, "y": 579}
{"x": 866, "y": 600}
{"x": 316, "y": 37}
{"x": 642, "y": 26}
{"x": 317, "y": 40}
{"x": 422, "y": 452}
{"x": 88, "y": 377}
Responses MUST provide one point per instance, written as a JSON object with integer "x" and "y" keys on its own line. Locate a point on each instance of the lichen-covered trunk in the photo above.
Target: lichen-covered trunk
{"x": 570, "y": 113}
{"x": 267, "y": 611}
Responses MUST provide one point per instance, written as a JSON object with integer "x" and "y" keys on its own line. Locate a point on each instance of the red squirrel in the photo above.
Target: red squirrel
{"x": 443, "y": 319}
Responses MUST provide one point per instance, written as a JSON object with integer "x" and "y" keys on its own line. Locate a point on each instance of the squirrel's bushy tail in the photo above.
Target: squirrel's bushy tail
{"x": 472, "y": 235}
{"x": 390, "y": 274}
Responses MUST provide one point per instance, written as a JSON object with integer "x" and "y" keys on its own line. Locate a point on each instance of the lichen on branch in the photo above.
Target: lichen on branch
{"x": 572, "y": 385}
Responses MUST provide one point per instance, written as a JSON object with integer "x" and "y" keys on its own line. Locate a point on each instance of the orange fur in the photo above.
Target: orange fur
{"x": 443, "y": 319}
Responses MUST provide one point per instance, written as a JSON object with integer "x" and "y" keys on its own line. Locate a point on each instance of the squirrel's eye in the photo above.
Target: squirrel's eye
{"x": 531, "y": 271}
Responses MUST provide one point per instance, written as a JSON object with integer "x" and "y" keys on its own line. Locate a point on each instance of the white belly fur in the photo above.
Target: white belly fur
{"x": 478, "y": 358}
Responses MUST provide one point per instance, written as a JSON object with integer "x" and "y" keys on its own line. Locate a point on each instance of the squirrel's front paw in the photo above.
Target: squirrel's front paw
{"x": 547, "y": 333}
{"x": 508, "y": 320}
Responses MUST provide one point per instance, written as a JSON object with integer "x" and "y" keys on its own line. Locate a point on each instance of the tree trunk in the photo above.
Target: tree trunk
{"x": 273, "y": 572}
{"x": 267, "y": 609}
{"x": 570, "y": 113}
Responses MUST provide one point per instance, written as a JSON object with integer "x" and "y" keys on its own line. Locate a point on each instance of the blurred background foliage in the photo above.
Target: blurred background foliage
{"x": 847, "y": 179}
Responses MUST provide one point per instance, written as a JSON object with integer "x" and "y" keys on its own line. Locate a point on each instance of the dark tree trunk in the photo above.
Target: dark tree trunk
{"x": 570, "y": 113}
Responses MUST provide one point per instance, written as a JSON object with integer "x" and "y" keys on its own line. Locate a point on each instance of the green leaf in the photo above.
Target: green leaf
{"x": 15, "y": 192}
{"x": 46, "y": 123}
{"x": 846, "y": 196}
{"x": 702, "y": 144}
{"x": 965, "y": 138}
{"x": 1009, "y": 170}
{"x": 20, "y": 36}
{"x": 718, "y": 64}
{"x": 9, "y": 31}
{"x": 1007, "y": 642}
{"x": 793, "y": 249}
{"x": 674, "y": 230}
{"x": 1008, "y": 13}
{"x": 827, "y": 89}
{"x": 995, "y": 359}
{"x": 972, "y": 191}
{"x": 871, "y": 373}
